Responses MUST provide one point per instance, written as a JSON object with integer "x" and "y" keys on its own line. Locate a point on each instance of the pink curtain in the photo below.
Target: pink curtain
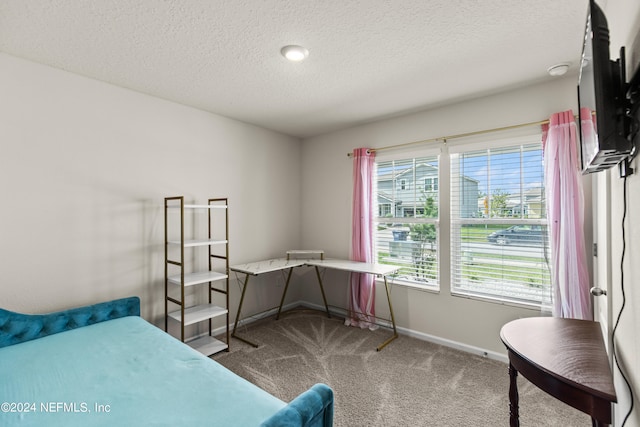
{"x": 565, "y": 212}
{"x": 362, "y": 286}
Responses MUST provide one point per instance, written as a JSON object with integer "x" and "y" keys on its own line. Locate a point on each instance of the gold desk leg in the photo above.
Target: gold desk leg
{"x": 235, "y": 326}
{"x": 324, "y": 298}
{"x": 393, "y": 320}
{"x": 284, "y": 293}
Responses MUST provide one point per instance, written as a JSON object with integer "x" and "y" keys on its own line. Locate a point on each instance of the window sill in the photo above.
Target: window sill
{"x": 425, "y": 288}
{"x": 495, "y": 300}
{"x": 433, "y": 289}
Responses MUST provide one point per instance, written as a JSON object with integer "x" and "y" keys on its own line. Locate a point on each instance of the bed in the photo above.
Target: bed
{"x": 103, "y": 365}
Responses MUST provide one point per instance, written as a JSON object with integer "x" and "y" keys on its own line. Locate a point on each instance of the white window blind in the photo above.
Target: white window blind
{"x": 407, "y": 224}
{"x": 499, "y": 235}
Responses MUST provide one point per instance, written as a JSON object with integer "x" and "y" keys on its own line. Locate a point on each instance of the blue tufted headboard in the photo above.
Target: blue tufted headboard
{"x": 17, "y": 327}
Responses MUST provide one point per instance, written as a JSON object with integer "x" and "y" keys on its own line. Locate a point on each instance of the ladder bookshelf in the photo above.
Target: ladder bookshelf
{"x": 183, "y": 278}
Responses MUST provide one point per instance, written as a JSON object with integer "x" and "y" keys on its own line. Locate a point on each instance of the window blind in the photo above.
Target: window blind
{"x": 406, "y": 234}
{"x": 499, "y": 235}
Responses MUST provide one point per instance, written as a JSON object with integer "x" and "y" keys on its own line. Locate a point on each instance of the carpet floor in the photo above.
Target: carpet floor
{"x": 409, "y": 383}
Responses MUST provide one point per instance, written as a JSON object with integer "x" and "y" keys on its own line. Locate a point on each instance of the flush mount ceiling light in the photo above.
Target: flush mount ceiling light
{"x": 294, "y": 53}
{"x": 558, "y": 69}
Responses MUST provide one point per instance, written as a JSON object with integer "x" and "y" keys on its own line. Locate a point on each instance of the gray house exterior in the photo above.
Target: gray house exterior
{"x": 404, "y": 194}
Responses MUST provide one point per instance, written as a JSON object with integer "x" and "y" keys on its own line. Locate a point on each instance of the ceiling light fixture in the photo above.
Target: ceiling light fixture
{"x": 558, "y": 69}
{"x": 294, "y": 53}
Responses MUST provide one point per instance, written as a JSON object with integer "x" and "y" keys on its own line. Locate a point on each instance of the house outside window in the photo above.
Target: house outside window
{"x": 500, "y": 251}
{"x": 498, "y": 229}
{"x": 407, "y": 235}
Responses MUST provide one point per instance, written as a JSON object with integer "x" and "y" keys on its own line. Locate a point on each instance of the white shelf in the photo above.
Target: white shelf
{"x": 191, "y": 279}
{"x": 191, "y": 273}
{"x": 208, "y": 345}
{"x": 198, "y": 313}
{"x": 198, "y": 242}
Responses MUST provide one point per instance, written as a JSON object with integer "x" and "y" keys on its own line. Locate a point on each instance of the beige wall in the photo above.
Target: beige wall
{"x": 326, "y": 206}
{"x": 624, "y": 26}
{"x": 84, "y": 169}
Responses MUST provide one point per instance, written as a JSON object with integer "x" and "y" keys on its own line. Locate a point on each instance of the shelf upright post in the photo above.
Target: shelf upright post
{"x": 182, "y": 304}
{"x": 210, "y": 285}
{"x": 225, "y": 257}
{"x": 227, "y": 272}
{"x": 166, "y": 267}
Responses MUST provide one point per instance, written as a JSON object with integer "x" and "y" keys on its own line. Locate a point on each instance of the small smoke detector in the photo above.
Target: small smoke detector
{"x": 558, "y": 69}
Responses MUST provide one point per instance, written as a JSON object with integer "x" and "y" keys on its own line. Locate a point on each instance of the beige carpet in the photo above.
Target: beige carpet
{"x": 409, "y": 383}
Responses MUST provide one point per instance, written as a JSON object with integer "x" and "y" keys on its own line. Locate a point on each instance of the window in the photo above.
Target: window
{"x": 500, "y": 245}
{"x": 384, "y": 209}
{"x": 431, "y": 184}
{"x": 497, "y": 221}
{"x": 406, "y": 230}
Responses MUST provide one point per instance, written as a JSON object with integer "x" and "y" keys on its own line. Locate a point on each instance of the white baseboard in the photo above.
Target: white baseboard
{"x": 419, "y": 335}
{"x": 404, "y": 331}
{"x": 454, "y": 344}
{"x": 247, "y": 321}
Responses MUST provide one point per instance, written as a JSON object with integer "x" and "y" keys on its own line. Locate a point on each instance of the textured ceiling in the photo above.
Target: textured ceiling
{"x": 369, "y": 59}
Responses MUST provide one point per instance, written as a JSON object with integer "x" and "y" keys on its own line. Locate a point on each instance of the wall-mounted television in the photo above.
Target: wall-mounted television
{"x": 601, "y": 98}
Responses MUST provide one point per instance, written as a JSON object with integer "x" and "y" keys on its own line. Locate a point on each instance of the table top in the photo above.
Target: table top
{"x": 267, "y": 266}
{"x": 569, "y": 350}
{"x": 276, "y": 264}
{"x": 355, "y": 266}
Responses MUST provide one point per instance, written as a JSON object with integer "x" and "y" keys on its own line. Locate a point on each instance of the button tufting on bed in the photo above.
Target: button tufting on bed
{"x": 17, "y": 327}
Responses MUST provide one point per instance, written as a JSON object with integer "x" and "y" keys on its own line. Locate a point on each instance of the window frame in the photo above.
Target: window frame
{"x": 405, "y": 155}
{"x": 445, "y": 223}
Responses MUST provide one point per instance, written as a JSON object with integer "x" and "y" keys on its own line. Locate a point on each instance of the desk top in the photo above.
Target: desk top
{"x": 354, "y": 266}
{"x": 267, "y": 266}
{"x": 276, "y": 264}
{"x": 569, "y": 350}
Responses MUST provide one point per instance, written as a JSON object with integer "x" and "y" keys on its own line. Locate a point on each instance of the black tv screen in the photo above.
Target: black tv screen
{"x": 601, "y": 91}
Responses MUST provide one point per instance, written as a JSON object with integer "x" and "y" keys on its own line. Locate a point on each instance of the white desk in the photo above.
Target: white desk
{"x": 381, "y": 270}
{"x": 267, "y": 266}
{"x": 279, "y": 264}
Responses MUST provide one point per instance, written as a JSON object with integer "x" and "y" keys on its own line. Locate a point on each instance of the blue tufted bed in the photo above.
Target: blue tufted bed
{"x": 103, "y": 365}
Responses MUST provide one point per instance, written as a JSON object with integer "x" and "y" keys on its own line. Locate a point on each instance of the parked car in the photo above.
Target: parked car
{"x": 519, "y": 235}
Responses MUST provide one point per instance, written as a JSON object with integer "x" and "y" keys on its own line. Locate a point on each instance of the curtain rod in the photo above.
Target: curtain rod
{"x": 460, "y": 135}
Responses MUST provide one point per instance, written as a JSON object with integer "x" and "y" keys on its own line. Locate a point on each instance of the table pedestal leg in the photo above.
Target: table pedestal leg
{"x": 514, "y": 416}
